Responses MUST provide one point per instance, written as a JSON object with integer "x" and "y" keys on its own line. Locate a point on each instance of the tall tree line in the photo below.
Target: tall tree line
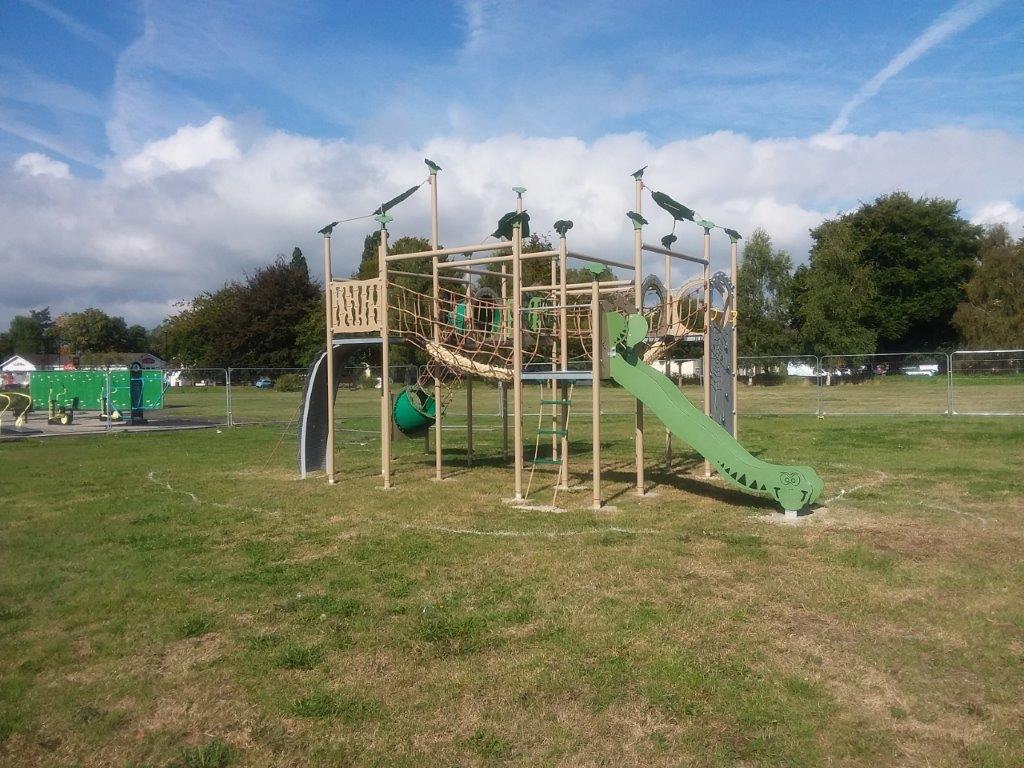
{"x": 896, "y": 275}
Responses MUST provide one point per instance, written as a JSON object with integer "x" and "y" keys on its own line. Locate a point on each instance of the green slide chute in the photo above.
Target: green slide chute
{"x": 793, "y": 487}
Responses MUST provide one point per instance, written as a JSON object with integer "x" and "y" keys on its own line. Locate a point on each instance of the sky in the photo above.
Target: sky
{"x": 150, "y": 151}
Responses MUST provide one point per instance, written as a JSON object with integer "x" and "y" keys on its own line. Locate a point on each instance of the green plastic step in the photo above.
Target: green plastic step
{"x": 556, "y": 402}
{"x": 547, "y": 461}
{"x": 559, "y": 432}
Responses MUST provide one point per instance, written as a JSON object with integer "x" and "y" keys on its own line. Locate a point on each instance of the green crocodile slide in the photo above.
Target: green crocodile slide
{"x": 793, "y": 487}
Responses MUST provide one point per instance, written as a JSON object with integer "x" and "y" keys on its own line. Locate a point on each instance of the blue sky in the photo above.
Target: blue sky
{"x": 196, "y": 94}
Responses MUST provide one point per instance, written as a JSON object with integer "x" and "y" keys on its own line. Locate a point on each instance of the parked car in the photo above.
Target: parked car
{"x": 263, "y": 383}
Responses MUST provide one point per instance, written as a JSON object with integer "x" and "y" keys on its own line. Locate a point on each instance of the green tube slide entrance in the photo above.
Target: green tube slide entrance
{"x": 414, "y": 411}
{"x": 793, "y": 487}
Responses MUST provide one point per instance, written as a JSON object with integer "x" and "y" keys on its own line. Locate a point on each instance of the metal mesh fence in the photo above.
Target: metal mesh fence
{"x": 778, "y": 385}
{"x": 963, "y": 383}
{"x": 194, "y": 397}
{"x": 987, "y": 382}
{"x": 885, "y": 384}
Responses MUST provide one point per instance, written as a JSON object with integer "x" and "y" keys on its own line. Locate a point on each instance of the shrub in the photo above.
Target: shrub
{"x": 289, "y": 382}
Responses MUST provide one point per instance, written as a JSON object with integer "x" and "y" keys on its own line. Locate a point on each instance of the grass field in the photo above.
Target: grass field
{"x": 182, "y": 599}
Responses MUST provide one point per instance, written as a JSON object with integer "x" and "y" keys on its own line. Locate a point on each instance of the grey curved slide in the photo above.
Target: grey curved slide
{"x": 313, "y": 417}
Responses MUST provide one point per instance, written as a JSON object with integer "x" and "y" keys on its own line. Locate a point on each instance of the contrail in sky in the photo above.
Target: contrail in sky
{"x": 957, "y": 18}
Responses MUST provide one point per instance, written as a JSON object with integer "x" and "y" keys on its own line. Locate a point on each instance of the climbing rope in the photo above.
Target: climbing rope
{"x": 536, "y": 442}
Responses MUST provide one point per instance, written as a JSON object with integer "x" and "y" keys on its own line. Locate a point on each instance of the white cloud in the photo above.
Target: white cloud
{"x": 202, "y": 206}
{"x": 189, "y": 148}
{"x": 1001, "y": 212}
{"x": 36, "y": 164}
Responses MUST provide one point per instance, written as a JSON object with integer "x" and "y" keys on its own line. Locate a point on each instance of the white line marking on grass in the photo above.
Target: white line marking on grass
{"x": 944, "y": 508}
{"x": 882, "y": 477}
{"x": 195, "y": 499}
{"x": 151, "y": 476}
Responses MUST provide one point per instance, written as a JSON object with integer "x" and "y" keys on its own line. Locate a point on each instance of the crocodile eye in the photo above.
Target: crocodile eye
{"x": 790, "y": 478}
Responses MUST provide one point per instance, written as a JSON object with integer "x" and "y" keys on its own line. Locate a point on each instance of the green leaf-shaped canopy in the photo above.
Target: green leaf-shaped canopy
{"x": 562, "y": 226}
{"x": 636, "y": 218}
{"x": 732, "y": 233}
{"x": 507, "y": 222}
{"x": 667, "y": 241}
{"x": 678, "y": 211}
{"x": 385, "y": 207}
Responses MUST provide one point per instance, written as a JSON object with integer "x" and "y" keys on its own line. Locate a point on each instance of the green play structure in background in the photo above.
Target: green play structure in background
{"x": 90, "y": 387}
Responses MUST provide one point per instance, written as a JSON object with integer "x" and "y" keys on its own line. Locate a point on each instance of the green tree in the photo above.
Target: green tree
{"x": 31, "y": 334}
{"x": 251, "y": 324}
{"x": 199, "y": 336}
{"x": 6, "y": 348}
{"x": 137, "y": 339}
{"x": 834, "y": 295}
{"x": 93, "y": 330}
{"x": 763, "y": 295}
{"x": 992, "y": 316}
{"x": 921, "y": 253}
{"x": 311, "y": 334}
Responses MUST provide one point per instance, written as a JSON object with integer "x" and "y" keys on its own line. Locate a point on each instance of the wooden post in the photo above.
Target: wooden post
{"x": 517, "y": 357}
{"x": 385, "y": 366}
{"x": 469, "y": 421}
{"x": 503, "y": 328}
{"x": 638, "y": 276}
{"x": 563, "y": 359}
{"x": 595, "y": 404}
{"x": 503, "y": 404}
{"x": 329, "y": 316}
{"x": 735, "y": 343}
{"x": 707, "y": 333}
{"x": 555, "y": 359}
{"x": 438, "y": 444}
{"x": 667, "y": 311}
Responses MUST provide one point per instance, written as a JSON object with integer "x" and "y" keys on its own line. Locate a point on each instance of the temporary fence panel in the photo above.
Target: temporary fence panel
{"x": 888, "y": 384}
{"x": 195, "y": 397}
{"x": 778, "y": 385}
{"x": 265, "y": 395}
{"x": 987, "y": 382}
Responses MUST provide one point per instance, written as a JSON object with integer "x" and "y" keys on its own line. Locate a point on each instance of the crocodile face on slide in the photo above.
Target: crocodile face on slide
{"x": 796, "y": 488}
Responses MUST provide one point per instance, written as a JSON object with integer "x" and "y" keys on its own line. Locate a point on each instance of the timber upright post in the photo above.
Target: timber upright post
{"x": 385, "y": 350}
{"x": 595, "y": 404}
{"x": 517, "y": 347}
{"x": 638, "y": 273}
{"x": 435, "y": 325}
{"x": 668, "y": 310}
{"x": 733, "y": 238}
{"x": 563, "y": 351}
{"x": 708, "y": 225}
{"x": 329, "y": 463}
{"x": 503, "y": 386}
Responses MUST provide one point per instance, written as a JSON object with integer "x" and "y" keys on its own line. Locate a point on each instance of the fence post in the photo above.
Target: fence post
{"x": 227, "y": 388}
{"x": 817, "y": 380}
{"x": 109, "y": 405}
{"x": 949, "y": 384}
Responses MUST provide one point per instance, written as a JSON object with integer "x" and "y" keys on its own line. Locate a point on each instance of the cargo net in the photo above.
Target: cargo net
{"x": 474, "y": 331}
